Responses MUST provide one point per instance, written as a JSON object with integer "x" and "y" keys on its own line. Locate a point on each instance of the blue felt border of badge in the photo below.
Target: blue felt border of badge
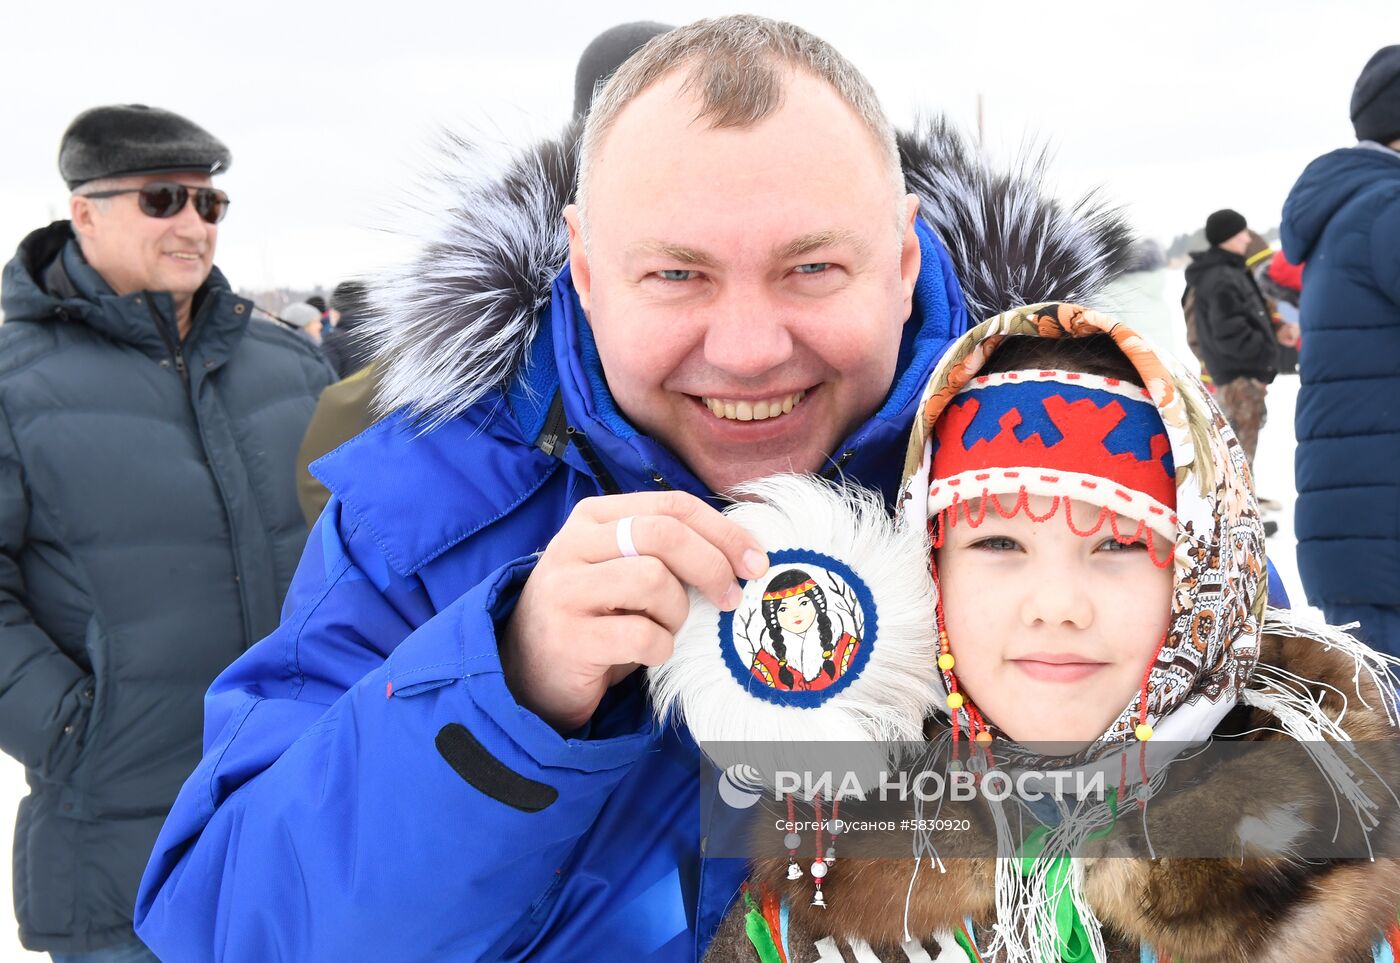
{"x": 744, "y": 676}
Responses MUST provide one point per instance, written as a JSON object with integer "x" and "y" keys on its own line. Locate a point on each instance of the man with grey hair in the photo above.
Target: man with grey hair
{"x": 445, "y": 752}
{"x": 148, "y": 518}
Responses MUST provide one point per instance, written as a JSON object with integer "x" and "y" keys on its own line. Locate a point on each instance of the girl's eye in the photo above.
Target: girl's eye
{"x": 996, "y": 543}
{"x": 678, "y": 274}
{"x": 815, "y": 268}
{"x": 1113, "y": 545}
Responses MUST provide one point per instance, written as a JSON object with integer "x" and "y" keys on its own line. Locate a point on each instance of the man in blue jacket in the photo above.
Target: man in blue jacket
{"x": 445, "y": 751}
{"x": 1343, "y": 219}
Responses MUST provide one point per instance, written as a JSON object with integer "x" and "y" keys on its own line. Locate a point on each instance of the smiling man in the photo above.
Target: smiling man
{"x": 445, "y": 752}
{"x": 148, "y": 518}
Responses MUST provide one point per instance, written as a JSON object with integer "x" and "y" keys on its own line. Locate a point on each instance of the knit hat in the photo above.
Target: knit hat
{"x": 127, "y": 139}
{"x": 608, "y": 51}
{"x": 1375, "y": 102}
{"x": 349, "y": 297}
{"x": 1223, "y": 225}
{"x": 1257, "y": 251}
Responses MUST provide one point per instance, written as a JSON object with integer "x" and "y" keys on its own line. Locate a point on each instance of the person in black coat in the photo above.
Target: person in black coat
{"x": 149, "y": 527}
{"x": 1233, "y": 327}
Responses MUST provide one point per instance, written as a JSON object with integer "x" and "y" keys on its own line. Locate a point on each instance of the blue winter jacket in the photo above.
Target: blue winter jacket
{"x": 584, "y": 848}
{"x": 370, "y": 790}
{"x": 1343, "y": 219}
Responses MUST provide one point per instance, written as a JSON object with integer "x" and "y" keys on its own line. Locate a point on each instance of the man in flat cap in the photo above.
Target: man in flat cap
{"x": 148, "y": 517}
{"x": 1343, "y": 219}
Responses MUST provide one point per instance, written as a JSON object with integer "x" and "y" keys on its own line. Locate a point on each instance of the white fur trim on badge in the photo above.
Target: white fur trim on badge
{"x": 875, "y": 578}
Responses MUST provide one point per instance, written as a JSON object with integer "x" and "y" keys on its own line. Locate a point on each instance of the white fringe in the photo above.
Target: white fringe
{"x": 1289, "y": 698}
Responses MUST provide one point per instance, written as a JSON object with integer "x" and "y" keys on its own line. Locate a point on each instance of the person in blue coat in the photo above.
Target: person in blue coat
{"x": 1343, "y": 218}
{"x": 445, "y": 752}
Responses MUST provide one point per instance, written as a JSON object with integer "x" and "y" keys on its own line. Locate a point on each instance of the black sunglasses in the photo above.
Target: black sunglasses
{"x": 166, "y": 199}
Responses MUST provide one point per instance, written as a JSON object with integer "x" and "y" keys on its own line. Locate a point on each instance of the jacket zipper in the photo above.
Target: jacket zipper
{"x": 172, "y": 345}
{"x": 834, "y": 469}
{"x": 182, "y": 369}
{"x": 594, "y": 463}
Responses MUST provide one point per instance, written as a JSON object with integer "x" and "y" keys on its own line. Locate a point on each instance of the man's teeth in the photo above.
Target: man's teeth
{"x": 184, "y": 257}
{"x": 753, "y": 410}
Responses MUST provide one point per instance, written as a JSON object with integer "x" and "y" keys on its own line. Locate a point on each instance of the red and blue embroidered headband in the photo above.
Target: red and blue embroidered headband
{"x": 1060, "y": 434}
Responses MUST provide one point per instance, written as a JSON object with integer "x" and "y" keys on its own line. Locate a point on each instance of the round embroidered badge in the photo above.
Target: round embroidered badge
{"x": 802, "y": 632}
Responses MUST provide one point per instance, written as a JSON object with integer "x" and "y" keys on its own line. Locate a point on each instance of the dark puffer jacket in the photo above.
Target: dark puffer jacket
{"x": 1343, "y": 217}
{"x": 148, "y": 530}
{"x": 1233, "y": 328}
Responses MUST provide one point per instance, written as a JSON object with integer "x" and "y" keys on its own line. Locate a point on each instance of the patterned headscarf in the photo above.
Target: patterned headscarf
{"x": 1220, "y": 581}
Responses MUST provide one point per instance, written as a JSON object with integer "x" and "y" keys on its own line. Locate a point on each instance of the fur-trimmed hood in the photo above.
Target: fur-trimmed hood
{"x": 1269, "y": 908}
{"x": 457, "y": 321}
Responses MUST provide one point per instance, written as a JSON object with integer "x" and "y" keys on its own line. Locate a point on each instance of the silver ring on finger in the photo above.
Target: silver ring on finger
{"x": 625, "y": 545}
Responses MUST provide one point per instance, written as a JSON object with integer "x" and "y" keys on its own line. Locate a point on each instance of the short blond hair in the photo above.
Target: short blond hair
{"x": 738, "y": 67}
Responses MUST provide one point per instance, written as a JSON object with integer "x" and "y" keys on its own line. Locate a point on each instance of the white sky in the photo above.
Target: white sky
{"x": 1176, "y": 109}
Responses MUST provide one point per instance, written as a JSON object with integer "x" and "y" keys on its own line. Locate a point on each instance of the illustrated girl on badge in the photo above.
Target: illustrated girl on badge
{"x": 800, "y": 648}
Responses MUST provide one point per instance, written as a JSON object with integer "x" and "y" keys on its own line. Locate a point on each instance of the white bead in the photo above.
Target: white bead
{"x": 818, "y": 869}
{"x": 833, "y": 826}
{"x": 792, "y": 841}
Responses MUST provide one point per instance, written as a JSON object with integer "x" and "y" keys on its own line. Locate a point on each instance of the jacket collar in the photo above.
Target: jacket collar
{"x": 52, "y": 281}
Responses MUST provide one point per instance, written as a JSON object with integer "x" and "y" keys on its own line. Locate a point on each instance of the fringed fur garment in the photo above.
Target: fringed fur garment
{"x": 1267, "y": 908}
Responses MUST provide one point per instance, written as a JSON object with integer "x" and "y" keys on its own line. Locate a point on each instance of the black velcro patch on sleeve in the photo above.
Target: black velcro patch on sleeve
{"x": 487, "y": 774}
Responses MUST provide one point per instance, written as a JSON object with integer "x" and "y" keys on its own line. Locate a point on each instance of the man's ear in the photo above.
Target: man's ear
{"x": 578, "y": 257}
{"x": 910, "y": 256}
{"x": 82, "y": 211}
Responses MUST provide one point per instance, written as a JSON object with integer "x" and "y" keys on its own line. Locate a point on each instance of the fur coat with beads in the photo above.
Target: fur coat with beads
{"x": 1268, "y": 908}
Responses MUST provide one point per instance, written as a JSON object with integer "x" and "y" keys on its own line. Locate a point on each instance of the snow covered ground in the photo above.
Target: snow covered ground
{"x": 1274, "y": 468}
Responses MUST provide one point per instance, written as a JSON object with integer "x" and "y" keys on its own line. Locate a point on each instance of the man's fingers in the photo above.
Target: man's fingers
{"x": 628, "y": 639}
{"x": 682, "y": 550}
{"x": 642, "y": 585}
{"x": 745, "y": 556}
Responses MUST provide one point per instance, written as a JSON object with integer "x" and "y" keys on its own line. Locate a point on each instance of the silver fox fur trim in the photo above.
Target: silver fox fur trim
{"x": 457, "y": 321}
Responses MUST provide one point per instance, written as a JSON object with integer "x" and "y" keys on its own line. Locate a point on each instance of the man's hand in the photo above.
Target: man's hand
{"x": 587, "y": 616}
{"x": 1287, "y": 335}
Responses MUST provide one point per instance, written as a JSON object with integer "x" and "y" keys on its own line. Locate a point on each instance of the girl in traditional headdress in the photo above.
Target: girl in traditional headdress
{"x": 798, "y": 652}
{"x": 1099, "y": 558}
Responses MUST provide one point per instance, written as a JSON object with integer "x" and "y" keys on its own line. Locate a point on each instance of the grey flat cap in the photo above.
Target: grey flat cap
{"x": 128, "y": 139}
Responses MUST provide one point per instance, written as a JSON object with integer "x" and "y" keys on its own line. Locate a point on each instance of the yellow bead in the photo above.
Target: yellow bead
{"x": 955, "y": 700}
{"x": 945, "y": 662}
{"x": 1143, "y": 732}
{"x": 984, "y": 737}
